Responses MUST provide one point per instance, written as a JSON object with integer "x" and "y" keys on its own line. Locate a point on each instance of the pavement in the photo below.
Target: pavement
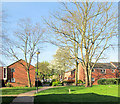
{"x": 28, "y": 97}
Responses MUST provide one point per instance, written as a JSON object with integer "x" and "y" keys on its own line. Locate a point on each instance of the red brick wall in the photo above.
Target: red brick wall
{"x": 1, "y": 73}
{"x": 97, "y": 74}
{"x": 81, "y": 74}
{"x": 20, "y": 74}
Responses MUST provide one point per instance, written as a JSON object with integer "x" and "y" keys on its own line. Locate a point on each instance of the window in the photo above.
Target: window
{"x": 73, "y": 78}
{"x": 69, "y": 78}
{"x": 5, "y": 73}
{"x": 12, "y": 70}
{"x": 93, "y": 70}
{"x": 12, "y": 79}
{"x": 113, "y": 70}
{"x": 92, "y": 79}
{"x": 102, "y": 70}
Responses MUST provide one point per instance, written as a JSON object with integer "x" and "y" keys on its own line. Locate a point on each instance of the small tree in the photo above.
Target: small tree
{"x": 43, "y": 69}
{"x": 62, "y": 61}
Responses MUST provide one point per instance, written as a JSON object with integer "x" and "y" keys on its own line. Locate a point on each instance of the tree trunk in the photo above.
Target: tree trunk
{"x": 90, "y": 77}
{"x": 29, "y": 81}
{"x": 76, "y": 73}
{"x": 86, "y": 78}
{"x": 63, "y": 76}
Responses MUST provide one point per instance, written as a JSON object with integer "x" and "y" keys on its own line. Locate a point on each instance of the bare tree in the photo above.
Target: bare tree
{"x": 26, "y": 41}
{"x": 94, "y": 25}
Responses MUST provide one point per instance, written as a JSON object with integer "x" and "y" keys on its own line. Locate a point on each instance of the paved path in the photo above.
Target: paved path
{"x": 28, "y": 97}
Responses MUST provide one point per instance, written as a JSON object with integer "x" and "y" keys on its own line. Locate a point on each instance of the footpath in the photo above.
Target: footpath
{"x": 28, "y": 97}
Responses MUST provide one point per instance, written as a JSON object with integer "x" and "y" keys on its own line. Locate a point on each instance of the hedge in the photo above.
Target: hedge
{"x": 109, "y": 81}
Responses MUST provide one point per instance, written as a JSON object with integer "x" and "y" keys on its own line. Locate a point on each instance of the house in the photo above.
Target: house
{"x": 16, "y": 74}
{"x": 70, "y": 75}
{"x": 100, "y": 71}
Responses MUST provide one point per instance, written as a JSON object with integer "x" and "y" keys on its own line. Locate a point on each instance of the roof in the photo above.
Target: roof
{"x": 111, "y": 65}
{"x": 16, "y": 62}
{"x": 117, "y": 64}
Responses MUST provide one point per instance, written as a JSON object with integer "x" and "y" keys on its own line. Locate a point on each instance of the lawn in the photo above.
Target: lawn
{"x": 95, "y": 94}
{"x": 7, "y": 100}
{"x": 16, "y": 90}
{"x": 13, "y": 91}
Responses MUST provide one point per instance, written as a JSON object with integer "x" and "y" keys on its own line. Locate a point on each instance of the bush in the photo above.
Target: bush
{"x": 55, "y": 83}
{"x": 8, "y": 85}
{"x": 80, "y": 81}
{"x": 68, "y": 82}
{"x": 108, "y": 81}
{"x": 46, "y": 82}
{"x": 53, "y": 80}
{"x": 39, "y": 83}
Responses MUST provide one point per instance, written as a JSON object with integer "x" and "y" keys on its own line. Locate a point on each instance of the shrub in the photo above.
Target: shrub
{"x": 53, "y": 80}
{"x": 68, "y": 82}
{"x": 46, "y": 82}
{"x": 108, "y": 81}
{"x": 80, "y": 81}
{"x": 39, "y": 83}
{"x": 55, "y": 83}
{"x": 8, "y": 85}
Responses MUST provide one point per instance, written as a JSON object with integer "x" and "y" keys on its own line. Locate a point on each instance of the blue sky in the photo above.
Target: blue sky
{"x": 34, "y": 10}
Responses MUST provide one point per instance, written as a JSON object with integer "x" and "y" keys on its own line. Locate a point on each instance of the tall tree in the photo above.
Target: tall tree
{"x": 94, "y": 25}
{"x": 27, "y": 40}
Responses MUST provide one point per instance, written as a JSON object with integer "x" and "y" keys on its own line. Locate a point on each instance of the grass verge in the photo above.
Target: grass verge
{"x": 79, "y": 94}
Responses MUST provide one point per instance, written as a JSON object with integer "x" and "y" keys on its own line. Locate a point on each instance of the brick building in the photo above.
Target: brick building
{"x": 100, "y": 71}
{"x": 16, "y": 74}
{"x": 70, "y": 75}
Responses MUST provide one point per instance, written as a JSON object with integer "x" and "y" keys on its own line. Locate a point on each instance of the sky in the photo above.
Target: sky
{"x": 35, "y": 11}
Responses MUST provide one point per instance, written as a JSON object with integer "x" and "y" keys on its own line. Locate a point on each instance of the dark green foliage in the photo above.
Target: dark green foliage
{"x": 108, "y": 81}
{"x": 46, "y": 82}
{"x": 39, "y": 83}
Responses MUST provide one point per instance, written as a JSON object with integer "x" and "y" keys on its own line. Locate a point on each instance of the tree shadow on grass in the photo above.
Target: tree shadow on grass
{"x": 7, "y": 100}
{"x": 87, "y": 98}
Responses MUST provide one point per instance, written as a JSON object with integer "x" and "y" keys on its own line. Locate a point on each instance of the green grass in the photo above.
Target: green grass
{"x": 97, "y": 93}
{"x": 16, "y": 90}
{"x": 7, "y": 100}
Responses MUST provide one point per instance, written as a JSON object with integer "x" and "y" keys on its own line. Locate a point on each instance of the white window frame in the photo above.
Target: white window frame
{"x": 3, "y": 73}
{"x": 12, "y": 69}
{"x": 103, "y": 71}
{"x": 12, "y": 79}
